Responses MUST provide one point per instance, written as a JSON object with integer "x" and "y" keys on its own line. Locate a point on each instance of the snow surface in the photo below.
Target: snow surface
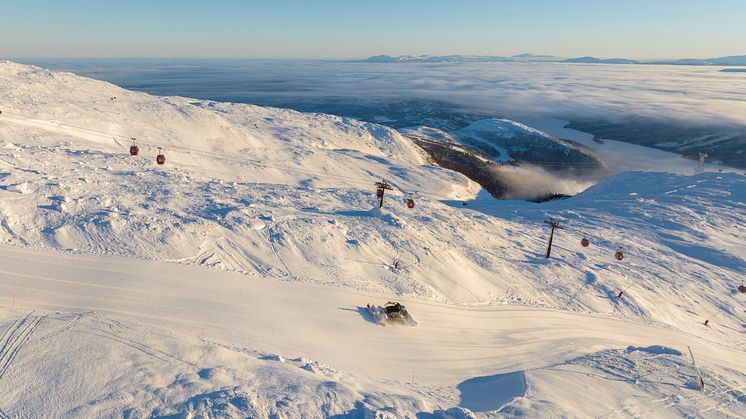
{"x": 233, "y": 280}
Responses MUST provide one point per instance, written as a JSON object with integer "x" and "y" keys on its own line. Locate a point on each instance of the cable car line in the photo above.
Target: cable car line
{"x": 364, "y": 184}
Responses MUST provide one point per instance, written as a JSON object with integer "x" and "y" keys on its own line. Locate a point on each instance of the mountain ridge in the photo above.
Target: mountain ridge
{"x": 732, "y": 60}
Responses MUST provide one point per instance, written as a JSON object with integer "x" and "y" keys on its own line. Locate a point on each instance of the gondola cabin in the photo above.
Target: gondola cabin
{"x": 585, "y": 242}
{"x": 410, "y": 203}
{"x": 134, "y": 150}
{"x": 160, "y": 158}
{"x": 619, "y": 255}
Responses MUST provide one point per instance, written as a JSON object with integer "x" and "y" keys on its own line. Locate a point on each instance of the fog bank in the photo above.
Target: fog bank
{"x": 691, "y": 94}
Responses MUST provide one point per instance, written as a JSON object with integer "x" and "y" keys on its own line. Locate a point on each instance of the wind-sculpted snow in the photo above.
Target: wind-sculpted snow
{"x": 282, "y": 205}
{"x": 154, "y": 373}
{"x": 650, "y": 378}
{"x": 288, "y": 195}
{"x": 197, "y": 132}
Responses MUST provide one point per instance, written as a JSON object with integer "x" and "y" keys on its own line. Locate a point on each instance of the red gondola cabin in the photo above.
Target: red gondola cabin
{"x": 160, "y": 158}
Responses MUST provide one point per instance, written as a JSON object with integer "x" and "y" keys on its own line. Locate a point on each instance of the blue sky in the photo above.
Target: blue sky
{"x": 349, "y": 29}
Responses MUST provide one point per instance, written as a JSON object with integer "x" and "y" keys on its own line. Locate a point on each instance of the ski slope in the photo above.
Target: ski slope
{"x": 165, "y": 334}
{"x": 232, "y": 280}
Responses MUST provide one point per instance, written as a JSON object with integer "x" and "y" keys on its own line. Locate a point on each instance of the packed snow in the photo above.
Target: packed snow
{"x": 233, "y": 280}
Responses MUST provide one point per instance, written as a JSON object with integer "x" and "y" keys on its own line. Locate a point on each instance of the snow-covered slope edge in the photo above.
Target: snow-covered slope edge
{"x": 245, "y": 188}
{"x": 217, "y": 138}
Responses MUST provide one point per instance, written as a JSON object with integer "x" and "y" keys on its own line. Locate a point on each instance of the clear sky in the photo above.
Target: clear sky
{"x": 641, "y": 29}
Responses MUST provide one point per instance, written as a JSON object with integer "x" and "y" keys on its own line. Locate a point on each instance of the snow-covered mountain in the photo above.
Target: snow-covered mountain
{"x": 535, "y": 58}
{"x": 435, "y": 59}
{"x": 232, "y": 281}
{"x": 506, "y": 140}
{"x": 501, "y": 155}
{"x": 733, "y": 60}
{"x": 596, "y": 60}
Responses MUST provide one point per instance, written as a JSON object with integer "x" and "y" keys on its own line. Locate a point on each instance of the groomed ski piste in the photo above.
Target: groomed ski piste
{"x": 232, "y": 281}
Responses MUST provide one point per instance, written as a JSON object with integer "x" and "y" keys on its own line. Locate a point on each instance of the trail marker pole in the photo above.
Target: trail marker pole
{"x": 555, "y": 225}
{"x": 381, "y": 188}
{"x": 696, "y": 367}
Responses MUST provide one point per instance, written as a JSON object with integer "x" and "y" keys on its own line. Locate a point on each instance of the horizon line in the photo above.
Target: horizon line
{"x": 359, "y": 58}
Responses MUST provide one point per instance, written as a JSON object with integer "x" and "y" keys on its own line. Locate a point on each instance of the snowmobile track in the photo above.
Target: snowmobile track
{"x": 62, "y": 329}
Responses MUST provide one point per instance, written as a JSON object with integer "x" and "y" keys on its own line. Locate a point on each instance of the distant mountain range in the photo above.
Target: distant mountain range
{"x": 436, "y": 59}
{"x": 734, "y": 60}
{"x": 595, "y": 60}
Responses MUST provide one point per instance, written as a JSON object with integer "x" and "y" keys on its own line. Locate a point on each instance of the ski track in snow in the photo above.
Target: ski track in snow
{"x": 14, "y": 338}
{"x": 262, "y": 193}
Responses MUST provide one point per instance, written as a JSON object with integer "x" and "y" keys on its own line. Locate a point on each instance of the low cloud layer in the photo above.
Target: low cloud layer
{"x": 691, "y": 94}
{"x": 531, "y": 182}
{"x": 570, "y": 91}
